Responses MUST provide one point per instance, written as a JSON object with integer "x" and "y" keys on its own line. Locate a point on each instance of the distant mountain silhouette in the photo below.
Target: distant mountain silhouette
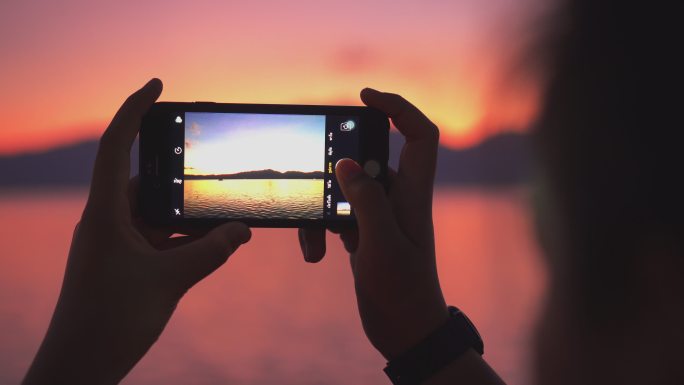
{"x": 504, "y": 159}
{"x": 70, "y": 165}
{"x": 262, "y": 174}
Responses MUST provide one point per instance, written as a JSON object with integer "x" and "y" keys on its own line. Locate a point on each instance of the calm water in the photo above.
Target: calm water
{"x": 266, "y": 317}
{"x": 254, "y": 198}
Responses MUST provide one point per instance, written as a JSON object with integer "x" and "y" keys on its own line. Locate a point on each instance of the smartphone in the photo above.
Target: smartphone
{"x": 205, "y": 163}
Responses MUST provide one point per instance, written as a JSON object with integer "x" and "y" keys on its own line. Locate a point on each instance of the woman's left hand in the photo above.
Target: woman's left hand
{"x": 123, "y": 280}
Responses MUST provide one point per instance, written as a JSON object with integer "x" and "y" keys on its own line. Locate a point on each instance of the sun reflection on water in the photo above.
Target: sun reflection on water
{"x": 254, "y": 198}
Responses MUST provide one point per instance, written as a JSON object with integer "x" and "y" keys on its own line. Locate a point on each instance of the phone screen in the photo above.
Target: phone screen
{"x": 261, "y": 166}
{"x": 268, "y": 165}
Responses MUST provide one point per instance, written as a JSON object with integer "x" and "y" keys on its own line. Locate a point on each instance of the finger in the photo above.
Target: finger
{"x": 312, "y": 243}
{"x": 75, "y": 233}
{"x": 192, "y": 230}
{"x": 191, "y": 262}
{"x": 391, "y": 176}
{"x": 155, "y": 235}
{"x": 419, "y": 156}
{"x": 350, "y": 240}
{"x": 367, "y": 198}
{"x": 112, "y": 164}
{"x": 133, "y": 188}
{"x": 171, "y": 243}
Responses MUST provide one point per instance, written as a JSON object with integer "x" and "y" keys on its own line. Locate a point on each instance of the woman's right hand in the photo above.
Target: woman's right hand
{"x": 393, "y": 252}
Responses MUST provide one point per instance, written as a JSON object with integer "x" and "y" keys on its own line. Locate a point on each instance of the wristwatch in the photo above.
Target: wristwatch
{"x": 436, "y": 351}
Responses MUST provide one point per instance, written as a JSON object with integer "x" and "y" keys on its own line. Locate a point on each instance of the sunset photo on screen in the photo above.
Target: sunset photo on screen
{"x": 263, "y": 166}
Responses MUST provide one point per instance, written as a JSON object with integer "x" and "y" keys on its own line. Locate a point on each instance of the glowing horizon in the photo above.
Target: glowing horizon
{"x": 64, "y": 77}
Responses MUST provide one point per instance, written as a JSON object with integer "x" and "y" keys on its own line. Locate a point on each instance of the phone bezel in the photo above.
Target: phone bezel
{"x": 156, "y": 157}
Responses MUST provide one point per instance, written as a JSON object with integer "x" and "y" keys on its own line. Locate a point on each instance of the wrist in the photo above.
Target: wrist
{"x": 93, "y": 343}
{"x": 405, "y": 325}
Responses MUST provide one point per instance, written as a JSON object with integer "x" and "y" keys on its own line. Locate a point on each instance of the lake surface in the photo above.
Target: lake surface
{"x": 254, "y": 198}
{"x": 267, "y": 317}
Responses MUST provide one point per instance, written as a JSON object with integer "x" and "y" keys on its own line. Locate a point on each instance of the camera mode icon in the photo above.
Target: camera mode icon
{"x": 347, "y": 126}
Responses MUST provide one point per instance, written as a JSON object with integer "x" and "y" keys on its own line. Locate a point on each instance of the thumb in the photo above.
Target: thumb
{"x": 367, "y": 198}
{"x": 192, "y": 262}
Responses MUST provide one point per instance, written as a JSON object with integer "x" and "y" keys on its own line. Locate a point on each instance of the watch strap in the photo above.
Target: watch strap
{"x": 436, "y": 351}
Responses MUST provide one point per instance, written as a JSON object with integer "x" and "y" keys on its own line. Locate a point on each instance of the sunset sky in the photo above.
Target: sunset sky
{"x": 217, "y": 143}
{"x": 67, "y": 65}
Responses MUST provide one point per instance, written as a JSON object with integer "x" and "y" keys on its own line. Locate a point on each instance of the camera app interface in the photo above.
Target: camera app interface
{"x": 262, "y": 166}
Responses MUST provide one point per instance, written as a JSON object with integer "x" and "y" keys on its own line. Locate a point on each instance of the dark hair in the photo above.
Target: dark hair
{"x": 609, "y": 148}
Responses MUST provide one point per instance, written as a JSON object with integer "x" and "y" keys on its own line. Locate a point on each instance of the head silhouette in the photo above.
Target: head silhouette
{"x": 610, "y": 212}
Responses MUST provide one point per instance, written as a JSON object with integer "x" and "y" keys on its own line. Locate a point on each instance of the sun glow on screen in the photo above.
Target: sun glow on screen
{"x": 228, "y": 143}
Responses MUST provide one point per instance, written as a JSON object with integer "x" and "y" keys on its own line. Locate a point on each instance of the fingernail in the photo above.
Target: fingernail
{"x": 346, "y": 169}
{"x": 246, "y": 234}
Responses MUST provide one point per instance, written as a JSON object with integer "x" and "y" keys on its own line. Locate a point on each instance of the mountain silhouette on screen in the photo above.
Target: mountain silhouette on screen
{"x": 262, "y": 174}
